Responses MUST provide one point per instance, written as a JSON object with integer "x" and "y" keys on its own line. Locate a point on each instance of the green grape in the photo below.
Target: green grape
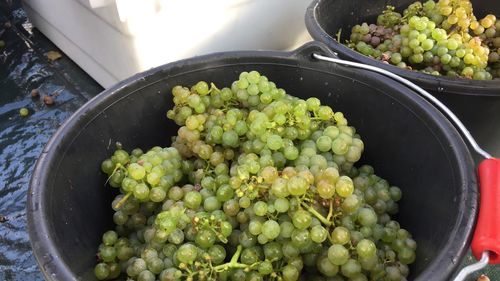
{"x": 332, "y": 132}
{"x": 300, "y": 238}
{"x": 367, "y": 217}
{"x": 325, "y": 112}
{"x": 230, "y": 138}
{"x": 137, "y": 266}
{"x": 340, "y": 235}
{"x": 468, "y": 71}
{"x": 338, "y": 254}
{"x": 427, "y": 44}
{"x": 141, "y": 191}
{"x": 255, "y": 227}
{"x": 107, "y": 166}
{"x": 155, "y": 265}
{"x": 114, "y": 270}
{"x": 344, "y": 186}
{"x": 416, "y": 58}
{"x": 452, "y": 44}
{"x": 297, "y": 185}
{"x": 193, "y": 200}
{"x": 274, "y": 142}
{"x": 366, "y": 248}
{"x": 324, "y": 143}
{"x": 326, "y": 267}
{"x": 176, "y": 237}
{"x": 290, "y": 273}
{"x": 260, "y": 208}
{"x": 175, "y": 193}
{"x": 101, "y": 271}
{"x": 136, "y": 171}
{"x": 187, "y": 253}
{"x": 351, "y": 268}
{"x": 224, "y": 193}
{"x": 211, "y": 204}
{"x": 249, "y": 256}
{"x": 351, "y": 203}
{"x": 265, "y": 268}
{"x": 301, "y": 219}
{"x": 124, "y": 253}
{"x": 120, "y": 156}
{"x": 271, "y": 229}
{"x": 406, "y": 255}
{"x": 205, "y": 238}
{"x": 286, "y": 229}
{"x": 109, "y": 238}
{"x": 244, "y": 202}
{"x": 414, "y": 43}
{"x": 318, "y": 234}
{"x": 396, "y": 58}
{"x": 157, "y": 194}
{"x": 281, "y": 205}
{"x": 339, "y": 146}
{"x": 325, "y": 189}
{"x": 217, "y": 254}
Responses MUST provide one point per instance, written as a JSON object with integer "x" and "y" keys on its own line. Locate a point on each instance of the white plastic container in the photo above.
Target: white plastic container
{"x": 114, "y": 39}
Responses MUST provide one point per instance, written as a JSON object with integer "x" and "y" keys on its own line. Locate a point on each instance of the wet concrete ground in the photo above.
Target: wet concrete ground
{"x": 23, "y": 67}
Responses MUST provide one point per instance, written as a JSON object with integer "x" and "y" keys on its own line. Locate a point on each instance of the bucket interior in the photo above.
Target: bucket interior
{"x": 407, "y": 142}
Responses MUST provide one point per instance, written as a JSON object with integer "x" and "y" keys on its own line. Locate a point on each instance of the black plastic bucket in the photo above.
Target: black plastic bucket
{"x": 477, "y": 103}
{"x": 408, "y": 141}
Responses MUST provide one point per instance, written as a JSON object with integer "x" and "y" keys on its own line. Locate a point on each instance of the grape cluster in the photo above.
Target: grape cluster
{"x": 438, "y": 38}
{"x": 258, "y": 185}
{"x": 145, "y": 176}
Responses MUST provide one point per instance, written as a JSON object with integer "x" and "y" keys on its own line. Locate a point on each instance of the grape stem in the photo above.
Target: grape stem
{"x": 123, "y": 200}
{"x": 339, "y": 34}
{"x": 213, "y": 88}
{"x": 330, "y": 212}
{"x": 234, "y": 262}
{"x": 118, "y": 166}
{"x": 330, "y": 238}
{"x": 220, "y": 268}
{"x": 236, "y": 256}
{"x": 316, "y": 214}
{"x": 217, "y": 233}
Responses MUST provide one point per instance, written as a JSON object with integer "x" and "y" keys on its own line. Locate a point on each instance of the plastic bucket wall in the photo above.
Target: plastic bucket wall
{"x": 407, "y": 141}
{"x": 477, "y": 103}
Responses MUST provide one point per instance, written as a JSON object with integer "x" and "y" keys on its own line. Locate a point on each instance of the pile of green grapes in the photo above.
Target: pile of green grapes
{"x": 257, "y": 185}
{"x": 438, "y": 38}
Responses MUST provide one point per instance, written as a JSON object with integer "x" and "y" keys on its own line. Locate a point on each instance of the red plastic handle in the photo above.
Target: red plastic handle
{"x": 487, "y": 234}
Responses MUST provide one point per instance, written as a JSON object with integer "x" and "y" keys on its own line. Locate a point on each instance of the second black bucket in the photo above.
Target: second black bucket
{"x": 477, "y": 103}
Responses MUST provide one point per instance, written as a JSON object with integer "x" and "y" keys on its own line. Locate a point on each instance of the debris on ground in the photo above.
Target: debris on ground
{"x": 53, "y": 55}
{"x": 48, "y": 100}
{"x": 35, "y": 93}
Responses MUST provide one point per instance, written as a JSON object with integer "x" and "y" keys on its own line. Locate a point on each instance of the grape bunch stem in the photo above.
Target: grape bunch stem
{"x": 320, "y": 217}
